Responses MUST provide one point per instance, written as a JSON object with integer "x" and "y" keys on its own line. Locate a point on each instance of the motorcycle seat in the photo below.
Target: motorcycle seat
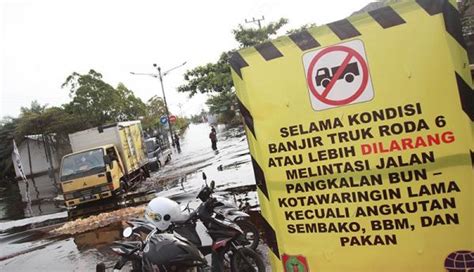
{"x": 181, "y": 221}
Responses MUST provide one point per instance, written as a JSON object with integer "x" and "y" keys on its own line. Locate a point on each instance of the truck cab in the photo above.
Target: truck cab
{"x": 324, "y": 75}
{"x": 90, "y": 175}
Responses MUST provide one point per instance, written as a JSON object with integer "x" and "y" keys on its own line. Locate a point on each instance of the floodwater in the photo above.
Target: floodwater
{"x": 45, "y": 240}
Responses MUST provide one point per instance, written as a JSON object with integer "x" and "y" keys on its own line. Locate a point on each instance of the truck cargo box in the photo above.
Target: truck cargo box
{"x": 126, "y": 136}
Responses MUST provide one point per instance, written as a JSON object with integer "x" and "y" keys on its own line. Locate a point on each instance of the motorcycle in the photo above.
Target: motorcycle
{"x": 156, "y": 252}
{"x": 228, "y": 240}
{"x": 225, "y": 210}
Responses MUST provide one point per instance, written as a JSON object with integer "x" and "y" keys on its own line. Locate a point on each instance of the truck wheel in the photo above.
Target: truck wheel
{"x": 325, "y": 82}
{"x": 147, "y": 172}
{"x": 123, "y": 185}
{"x": 349, "y": 77}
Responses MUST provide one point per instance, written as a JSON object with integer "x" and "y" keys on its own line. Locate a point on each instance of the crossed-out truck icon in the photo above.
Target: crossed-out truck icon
{"x": 324, "y": 75}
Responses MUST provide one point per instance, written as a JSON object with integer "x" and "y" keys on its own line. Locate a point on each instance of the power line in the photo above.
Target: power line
{"x": 257, "y": 21}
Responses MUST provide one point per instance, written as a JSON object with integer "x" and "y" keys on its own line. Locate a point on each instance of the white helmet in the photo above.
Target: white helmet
{"x": 161, "y": 211}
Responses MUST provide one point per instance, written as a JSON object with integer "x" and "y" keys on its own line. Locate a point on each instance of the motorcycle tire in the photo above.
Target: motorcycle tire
{"x": 100, "y": 267}
{"x": 251, "y": 233}
{"x": 136, "y": 266}
{"x": 246, "y": 260}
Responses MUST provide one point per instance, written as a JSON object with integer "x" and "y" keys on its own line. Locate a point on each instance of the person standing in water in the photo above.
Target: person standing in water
{"x": 213, "y": 137}
{"x": 176, "y": 142}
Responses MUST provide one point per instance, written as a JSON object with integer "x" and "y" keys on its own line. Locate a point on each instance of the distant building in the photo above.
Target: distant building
{"x": 37, "y": 156}
{"x": 38, "y": 151}
{"x": 212, "y": 119}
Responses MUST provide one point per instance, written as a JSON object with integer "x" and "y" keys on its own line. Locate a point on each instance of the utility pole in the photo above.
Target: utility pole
{"x": 257, "y": 21}
{"x": 160, "y": 77}
{"x": 166, "y": 104}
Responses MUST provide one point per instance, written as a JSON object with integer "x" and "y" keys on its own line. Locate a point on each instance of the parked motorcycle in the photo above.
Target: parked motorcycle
{"x": 156, "y": 252}
{"x": 226, "y": 210}
{"x": 178, "y": 252}
{"x": 228, "y": 240}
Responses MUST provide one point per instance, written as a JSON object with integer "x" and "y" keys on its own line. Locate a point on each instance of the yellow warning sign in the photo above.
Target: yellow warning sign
{"x": 361, "y": 137}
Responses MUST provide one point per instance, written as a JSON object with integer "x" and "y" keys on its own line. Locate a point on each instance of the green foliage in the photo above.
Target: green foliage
{"x": 155, "y": 108}
{"x": 198, "y": 118}
{"x": 301, "y": 28}
{"x": 181, "y": 124}
{"x": 130, "y": 106}
{"x": 223, "y": 104}
{"x": 93, "y": 102}
{"x": 247, "y": 37}
{"x": 7, "y": 133}
{"x": 54, "y": 120}
{"x": 212, "y": 77}
{"x": 96, "y": 102}
{"x": 216, "y": 77}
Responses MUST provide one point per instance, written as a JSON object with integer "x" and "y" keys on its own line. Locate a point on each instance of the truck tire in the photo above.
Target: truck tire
{"x": 147, "y": 171}
{"x": 123, "y": 185}
{"x": 325, "y": 82}
{"x": 349, "y": 77}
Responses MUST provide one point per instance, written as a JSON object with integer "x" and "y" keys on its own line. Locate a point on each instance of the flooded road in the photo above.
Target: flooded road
{"x": 34, "y": 244}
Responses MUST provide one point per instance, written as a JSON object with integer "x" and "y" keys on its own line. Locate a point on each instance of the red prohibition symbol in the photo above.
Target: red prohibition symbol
{"x": 323, "y": 96}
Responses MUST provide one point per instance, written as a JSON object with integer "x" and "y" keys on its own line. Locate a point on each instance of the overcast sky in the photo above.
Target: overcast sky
{"x": 42, "y": 42}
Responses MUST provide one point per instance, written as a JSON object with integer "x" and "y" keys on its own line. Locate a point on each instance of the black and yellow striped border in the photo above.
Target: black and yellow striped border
{"x": 387, "y": 17}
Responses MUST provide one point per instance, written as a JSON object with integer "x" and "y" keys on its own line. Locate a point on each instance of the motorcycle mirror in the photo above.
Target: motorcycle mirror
{"x": 204, "y": 176}
{"x": 213, "y": 184}
{"x": 127, "y": 232}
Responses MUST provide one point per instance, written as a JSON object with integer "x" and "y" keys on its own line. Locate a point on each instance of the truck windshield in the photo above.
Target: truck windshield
{"x": 83, "y": 164}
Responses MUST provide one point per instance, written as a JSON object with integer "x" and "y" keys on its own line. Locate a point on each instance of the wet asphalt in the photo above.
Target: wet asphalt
{"x": 29, "y": 242}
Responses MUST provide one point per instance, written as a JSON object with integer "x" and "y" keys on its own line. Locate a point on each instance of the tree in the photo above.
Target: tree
{"x": 199, "y": 118}
{"x": 131, "y": 107}
{"x": 212, "y": 77}
{"x": 216, "y": 77}
{"x": 7, "y": 134}
{"x": 247, "y": 37}
{"x": 155, "y": 109}
{"x": 96, "y": 102}
{"x": 223, "y": 104}
{"x": 181, "y": 124}
{"x": 53, "y": 124}
{"x": 301, "y": 28}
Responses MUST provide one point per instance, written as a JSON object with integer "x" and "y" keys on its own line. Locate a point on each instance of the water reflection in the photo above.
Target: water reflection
{"x": 100, "y": 237}
{"x": 11, "y": 206}
{"x": 42, "y": 191}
